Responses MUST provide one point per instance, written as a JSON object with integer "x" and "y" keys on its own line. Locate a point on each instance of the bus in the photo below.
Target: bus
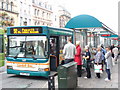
{"x": 35, "y": 50}
{"x": 2, "y": 54}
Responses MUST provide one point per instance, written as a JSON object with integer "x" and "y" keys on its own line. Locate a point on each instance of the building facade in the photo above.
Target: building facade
{"x": 64, "y": 17}
{"x": 8, "y": 13}
{"x": 60, "y": 16}
{"x": 33, "y": 12}
{"x": 42, "y": 13}
{"x": 25, "y": 12}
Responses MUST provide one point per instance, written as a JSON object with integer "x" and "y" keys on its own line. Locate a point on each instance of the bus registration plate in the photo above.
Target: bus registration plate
{"x": 26, "y": 74}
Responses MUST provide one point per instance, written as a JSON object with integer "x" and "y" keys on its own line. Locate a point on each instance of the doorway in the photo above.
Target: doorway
{"x": 54, "y": 53}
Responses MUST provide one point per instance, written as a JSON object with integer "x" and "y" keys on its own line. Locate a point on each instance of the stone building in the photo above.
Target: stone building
{"x": 8, "y": 13}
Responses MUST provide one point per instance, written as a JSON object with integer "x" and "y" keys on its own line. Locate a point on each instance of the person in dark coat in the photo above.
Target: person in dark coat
{"x": 87, "y": 58}
{"x": 78, "y": 58}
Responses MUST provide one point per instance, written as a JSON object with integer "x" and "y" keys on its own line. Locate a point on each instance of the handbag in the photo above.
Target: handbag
{"x": 84, "y": 63}
{"x": 98, "y": 68}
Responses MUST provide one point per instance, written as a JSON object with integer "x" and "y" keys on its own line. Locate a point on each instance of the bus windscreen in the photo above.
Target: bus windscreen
{"x": 28, "y": 46}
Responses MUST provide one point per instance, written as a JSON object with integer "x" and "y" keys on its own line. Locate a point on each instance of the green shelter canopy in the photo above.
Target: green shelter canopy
{"x": 83, "y": 21}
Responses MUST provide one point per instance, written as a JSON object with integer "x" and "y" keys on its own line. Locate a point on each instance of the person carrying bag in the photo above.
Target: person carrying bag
{"x": 98, "y": 62}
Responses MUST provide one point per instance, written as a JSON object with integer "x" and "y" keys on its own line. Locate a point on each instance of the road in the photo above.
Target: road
{"x": 15, "y": 81}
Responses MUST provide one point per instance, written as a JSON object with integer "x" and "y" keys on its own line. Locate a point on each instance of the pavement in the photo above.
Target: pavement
{"x": 98, "y": 83}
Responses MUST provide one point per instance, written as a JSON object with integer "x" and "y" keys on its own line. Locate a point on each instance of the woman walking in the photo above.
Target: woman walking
{"x": 98, "y": 59}
{"x": 108, "y": 57}
{"x": 78, "y": 59}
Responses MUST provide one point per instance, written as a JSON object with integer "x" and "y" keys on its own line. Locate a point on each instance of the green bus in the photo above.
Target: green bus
{"x": 35, "y": 50}
{"x": 2, "y": 54}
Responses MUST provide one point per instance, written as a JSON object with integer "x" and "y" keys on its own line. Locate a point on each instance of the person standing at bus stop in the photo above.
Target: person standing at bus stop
{"x": 87, "y": 57}
{"x": 78, "y": 59}
{"x": 69, "y": 51}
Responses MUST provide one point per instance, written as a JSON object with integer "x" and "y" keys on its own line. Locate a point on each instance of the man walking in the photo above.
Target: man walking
{"x": 69, "y": 51}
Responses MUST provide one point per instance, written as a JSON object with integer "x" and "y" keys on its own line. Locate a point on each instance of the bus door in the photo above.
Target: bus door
{"x": 54, "y": 52}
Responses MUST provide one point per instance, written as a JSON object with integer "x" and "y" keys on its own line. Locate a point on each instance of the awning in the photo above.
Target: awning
{"x": 83, "y": 21}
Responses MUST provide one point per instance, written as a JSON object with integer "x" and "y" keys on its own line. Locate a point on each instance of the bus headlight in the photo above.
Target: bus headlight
{"x": 9, "y": 67}
{"x": 46, "y": 69}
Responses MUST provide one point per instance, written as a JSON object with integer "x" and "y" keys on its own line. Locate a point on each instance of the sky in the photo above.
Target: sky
{"x": 105, "y": 11}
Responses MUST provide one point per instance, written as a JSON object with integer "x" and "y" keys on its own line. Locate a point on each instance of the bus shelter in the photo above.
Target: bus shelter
{"x": 109, "y": 38}
{"x": 87, "y": 29}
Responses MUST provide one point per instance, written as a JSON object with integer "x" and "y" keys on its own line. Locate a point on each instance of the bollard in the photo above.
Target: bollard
{"x": 51, "y": 81}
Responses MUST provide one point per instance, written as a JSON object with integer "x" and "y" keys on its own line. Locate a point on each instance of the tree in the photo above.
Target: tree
{"x": 6, "y": 20}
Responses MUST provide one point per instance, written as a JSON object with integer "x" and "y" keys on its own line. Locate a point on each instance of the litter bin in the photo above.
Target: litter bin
{"x": 67, "y": 76}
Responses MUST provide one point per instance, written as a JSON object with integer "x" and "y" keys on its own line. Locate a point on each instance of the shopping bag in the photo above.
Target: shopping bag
{"x": 84, "y": 63}
{"x": 98, "y": 68}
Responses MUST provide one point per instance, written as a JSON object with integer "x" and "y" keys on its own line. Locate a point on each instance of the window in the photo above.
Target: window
{"x": 20, "y": 7}
{"x": 2, "y": 5}
{"x": 26, "y": 19}
{"x": 43, "y": 14}
{"x": 35, "y": 11}
{"x": 39, "y": 3}
{"x": 35, "y": 22}
{"x": 28, "y": 46}
{"x": 29, "y": 9}
{"x": 38, "y": 23}
{"x": 38, "y": 12}
{"x": 50, "y": 7}
{"x": 29, "y": 21}
{"x": 63, "y": 41}
{"x": 7, "y": 6}
{"x": 33, "y": 1}
{"x": 11, "y": 6}
{"x": 21, "y": 20}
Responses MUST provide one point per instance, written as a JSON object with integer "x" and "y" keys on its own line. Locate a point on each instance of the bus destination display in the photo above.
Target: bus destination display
{"x": 26, "y": 30}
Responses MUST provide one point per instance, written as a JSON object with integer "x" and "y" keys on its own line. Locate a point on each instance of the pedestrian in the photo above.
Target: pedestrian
{"x": 111, "y": 48}
{"x": 118, "y": 49}
{"x": 69, "y": 51}
{"x": 78, "y": 59}
{"x": 103, "y": 56}
{"x": 115, "y": 52}
{"x": 93, "y": 53}
{"x": 108, "y": 60}
{"x": 98, "y": 59}
{"x": 87, "y": 57}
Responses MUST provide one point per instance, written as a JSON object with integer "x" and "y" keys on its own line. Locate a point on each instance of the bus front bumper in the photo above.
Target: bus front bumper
{"x": 28, "y": 73}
